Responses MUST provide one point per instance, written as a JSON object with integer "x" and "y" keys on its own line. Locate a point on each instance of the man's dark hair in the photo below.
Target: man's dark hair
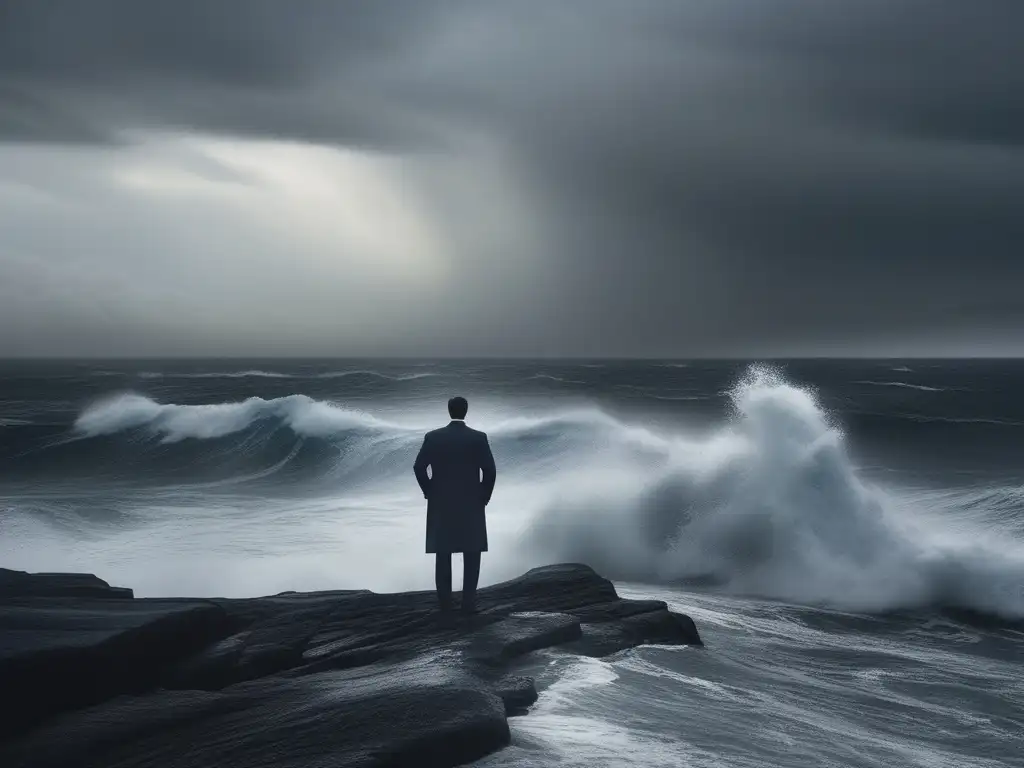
{"x": 458, "y": 407}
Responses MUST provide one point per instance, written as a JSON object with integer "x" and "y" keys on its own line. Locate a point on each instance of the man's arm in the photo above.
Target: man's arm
{"x": 488, "y": 469}
{"x": 420, "y": 468}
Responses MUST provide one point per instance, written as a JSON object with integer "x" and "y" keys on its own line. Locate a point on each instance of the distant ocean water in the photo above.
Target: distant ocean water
{"x": 848, "y": 535}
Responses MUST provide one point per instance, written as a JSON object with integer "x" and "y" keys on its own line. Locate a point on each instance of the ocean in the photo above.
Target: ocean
{"x": 847, "y": 535}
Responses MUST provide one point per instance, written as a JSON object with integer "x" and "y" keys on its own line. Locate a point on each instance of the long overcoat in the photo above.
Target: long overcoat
{"x": 458, "y": 488}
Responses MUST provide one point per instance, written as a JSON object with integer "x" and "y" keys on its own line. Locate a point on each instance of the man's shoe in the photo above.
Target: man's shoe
{"x": 468, "y": 607}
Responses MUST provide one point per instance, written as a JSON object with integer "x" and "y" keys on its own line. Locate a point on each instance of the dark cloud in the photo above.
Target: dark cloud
{"x": 932, "y": 69}
{"x": 735, "y": 177}
{"x": 254, "y": 67}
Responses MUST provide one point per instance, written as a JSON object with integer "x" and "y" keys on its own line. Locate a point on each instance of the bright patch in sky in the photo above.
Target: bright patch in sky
{"x": 343, "y": 208}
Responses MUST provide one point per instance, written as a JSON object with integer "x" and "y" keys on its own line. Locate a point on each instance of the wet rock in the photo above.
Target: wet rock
{"x": 521, "y": 633}
{"x": 328, "y": 678}
{"x": 63, "y": 653}
{"x": 212, "y": 668}
{"x": 518, "y": 693}
{"x": 22, "y": 584}
{"x": 394, "y": 715}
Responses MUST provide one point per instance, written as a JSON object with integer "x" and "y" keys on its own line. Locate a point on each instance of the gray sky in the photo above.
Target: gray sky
{"x": 538, "y": 177}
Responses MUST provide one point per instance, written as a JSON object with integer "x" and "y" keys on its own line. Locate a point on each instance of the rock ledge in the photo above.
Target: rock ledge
{"x": 90, "y": 676}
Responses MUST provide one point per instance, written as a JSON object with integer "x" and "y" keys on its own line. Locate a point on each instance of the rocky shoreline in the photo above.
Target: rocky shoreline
{"x": 91, "y": 676}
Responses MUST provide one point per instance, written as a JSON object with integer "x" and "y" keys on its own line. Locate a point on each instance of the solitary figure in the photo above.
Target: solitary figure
{"x": 459, "y": 486}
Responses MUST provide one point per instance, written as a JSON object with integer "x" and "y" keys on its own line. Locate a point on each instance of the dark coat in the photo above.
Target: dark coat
{"x": 458, "y": 488}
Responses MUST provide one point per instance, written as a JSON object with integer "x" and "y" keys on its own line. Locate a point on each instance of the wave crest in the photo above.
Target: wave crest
{"x": 771, "y": 505}
{"x": 172, "y": 422}
{"x": 259, "y": 374}
{"x": 317, "y": 441}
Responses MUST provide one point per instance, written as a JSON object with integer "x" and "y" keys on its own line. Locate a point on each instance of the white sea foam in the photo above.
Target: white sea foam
{"x": 173, "y": 422}
{"x": 901, "y": 384}
{"x": 771, "y": 505}
{"x": 377, "y": 375}
{"x": 258, "y": 374}
{"x": 215, "y": 375}
{"x": 556, "y": 379}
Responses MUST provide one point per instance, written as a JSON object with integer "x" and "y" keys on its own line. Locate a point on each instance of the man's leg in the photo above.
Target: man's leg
{"x": 470, "y": 577}
{"x": 443, "y": 579}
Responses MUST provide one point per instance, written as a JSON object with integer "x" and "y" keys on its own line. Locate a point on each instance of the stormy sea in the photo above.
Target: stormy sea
{"x": 848, "y": 535}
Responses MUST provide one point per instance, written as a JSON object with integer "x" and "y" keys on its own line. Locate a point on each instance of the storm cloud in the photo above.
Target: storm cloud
{"x": 651, "y": 178}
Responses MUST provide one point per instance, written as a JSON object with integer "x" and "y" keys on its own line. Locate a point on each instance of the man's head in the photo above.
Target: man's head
{"x": 457, "y": 407}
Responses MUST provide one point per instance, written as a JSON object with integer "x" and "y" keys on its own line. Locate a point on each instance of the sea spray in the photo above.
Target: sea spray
{"x": 771, "y": 505}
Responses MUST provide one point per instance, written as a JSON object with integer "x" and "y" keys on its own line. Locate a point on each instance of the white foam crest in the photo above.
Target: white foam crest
{"x": 900, "y": 384}
{"x": 276, "y": 375}
{"x": 637, "y": 664}
{"x": 577, "y": 675}
{"x": 376, "y": 374}
{"x": 771, "y": 505}
{"x": 544, "y": 443}
{"x": 581, "y": 424}
{"x": 557, "y": 379}
{"x": 173, "y": 422}
{"x": 216, "y": 375}
{"x": 318, "y": 418}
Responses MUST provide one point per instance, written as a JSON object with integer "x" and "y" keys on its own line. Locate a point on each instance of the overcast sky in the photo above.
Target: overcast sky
{"x": 526, "y": 177}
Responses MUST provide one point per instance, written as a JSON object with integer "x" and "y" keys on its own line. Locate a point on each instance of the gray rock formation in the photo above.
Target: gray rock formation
{"x": 90, "y": 676}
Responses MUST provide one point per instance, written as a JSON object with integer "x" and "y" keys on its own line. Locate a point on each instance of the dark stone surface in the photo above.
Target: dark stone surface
{"x": 388, "y": 715}
{"x": 319, "y": 679}
{"x": 518, "y": 693}
{"x": 22, "y": 584}
{"x": 520, "y": 633}
{"x": 59, "y": 653}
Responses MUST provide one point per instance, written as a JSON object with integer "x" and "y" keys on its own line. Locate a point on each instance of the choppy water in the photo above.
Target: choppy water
{"x": 848, "y": 536}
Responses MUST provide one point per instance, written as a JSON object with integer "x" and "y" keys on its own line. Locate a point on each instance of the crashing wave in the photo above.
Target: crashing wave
{"x": 771, "y": 505}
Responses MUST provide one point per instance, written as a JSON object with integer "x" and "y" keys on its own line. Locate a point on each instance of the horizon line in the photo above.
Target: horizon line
{"x": 525, "y": 358}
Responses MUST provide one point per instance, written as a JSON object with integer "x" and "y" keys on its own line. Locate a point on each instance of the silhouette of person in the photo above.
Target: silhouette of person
{"x": 458, "y": 488}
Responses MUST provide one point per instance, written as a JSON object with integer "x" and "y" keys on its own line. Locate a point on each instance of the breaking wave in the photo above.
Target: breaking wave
{"x": 172, "y": 422}
{"x": 132, "y": 437}
{"x": 771, "y": 505}
{"x": 256, "y": 374}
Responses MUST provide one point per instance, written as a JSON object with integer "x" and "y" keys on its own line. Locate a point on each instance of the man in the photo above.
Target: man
{"x": 459, "y": 486}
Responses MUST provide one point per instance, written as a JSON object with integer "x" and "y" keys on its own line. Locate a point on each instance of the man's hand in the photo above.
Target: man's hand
{"x": 420, "y": 469}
